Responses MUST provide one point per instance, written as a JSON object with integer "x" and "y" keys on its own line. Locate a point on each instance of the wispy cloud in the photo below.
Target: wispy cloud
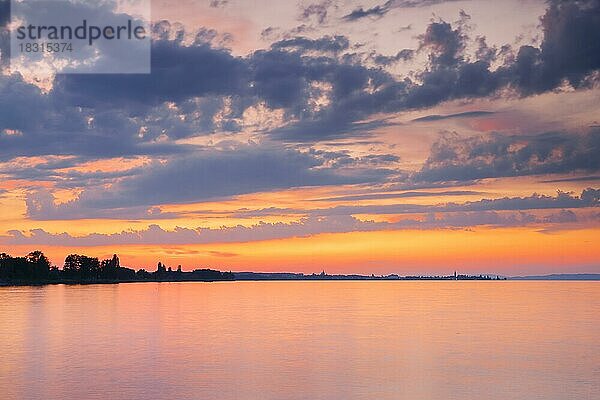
{"x": 381, "y": 10}
{"x": 467, "y": 114}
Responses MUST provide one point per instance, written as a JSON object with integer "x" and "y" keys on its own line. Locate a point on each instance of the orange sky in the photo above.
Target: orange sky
{"x": 509, "y": 251}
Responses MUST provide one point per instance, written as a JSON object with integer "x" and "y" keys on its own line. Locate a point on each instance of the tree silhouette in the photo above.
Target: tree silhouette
{"x": 39, "y": 264}
{"x": 81, "y": 267}
{"x": 34, "y": 266}
{"x": 110, "y": 268}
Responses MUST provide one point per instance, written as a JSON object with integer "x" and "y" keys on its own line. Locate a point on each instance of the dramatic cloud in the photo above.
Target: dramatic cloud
{"x": 570, "y": 50}
{"x": 33, "y": 123}
{"x": 454, "y": 158}
{"x": 451, "y": 75}
{"x": 308, "y": 226}
{"x": 447, "y": 44}
{"x": 198, "y": 89}
{"x": 207, "y": 174}
{"x": 179, "y": 72}
{"x": 319, "y": 92}
{"x": 313, "y": 129}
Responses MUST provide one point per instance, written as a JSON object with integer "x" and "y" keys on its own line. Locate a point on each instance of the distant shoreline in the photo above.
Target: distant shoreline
{"x": 283, "y": 277}
{"x": 558, "y": 277}
{"x": 35, "y": 269}
{"x": 246, "y": 279}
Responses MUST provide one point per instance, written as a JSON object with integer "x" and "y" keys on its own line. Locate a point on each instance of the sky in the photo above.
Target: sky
{"x": 400, "y": 136}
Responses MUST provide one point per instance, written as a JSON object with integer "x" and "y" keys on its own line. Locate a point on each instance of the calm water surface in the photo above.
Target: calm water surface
{"x": 302, "y": 340}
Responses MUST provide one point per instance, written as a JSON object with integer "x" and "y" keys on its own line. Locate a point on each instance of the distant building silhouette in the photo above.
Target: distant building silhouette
{"x": 161, "y": 269}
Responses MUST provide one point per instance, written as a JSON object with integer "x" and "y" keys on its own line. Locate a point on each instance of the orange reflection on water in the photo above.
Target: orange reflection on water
{"x": 302, "y": 340}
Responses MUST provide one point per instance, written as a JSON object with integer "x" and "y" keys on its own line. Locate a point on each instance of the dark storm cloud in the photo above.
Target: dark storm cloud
{"x": 454, "y": 158}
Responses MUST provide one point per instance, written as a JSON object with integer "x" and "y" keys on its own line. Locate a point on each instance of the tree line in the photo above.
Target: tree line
{"x": 35, "y": 267}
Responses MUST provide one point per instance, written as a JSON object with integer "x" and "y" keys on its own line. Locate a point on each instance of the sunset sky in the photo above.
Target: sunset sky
{"x": 407, "y": 136}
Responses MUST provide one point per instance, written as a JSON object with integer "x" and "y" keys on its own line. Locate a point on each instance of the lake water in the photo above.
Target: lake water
{"x": 302, "y": 340}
